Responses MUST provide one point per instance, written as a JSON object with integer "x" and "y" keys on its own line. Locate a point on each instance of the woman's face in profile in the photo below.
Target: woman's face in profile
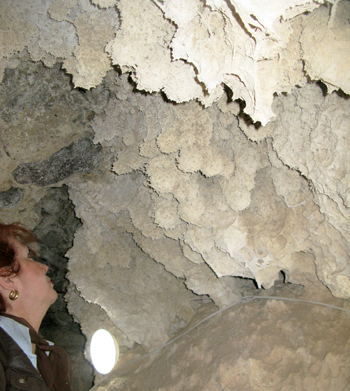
{"x": 34, "y": 286}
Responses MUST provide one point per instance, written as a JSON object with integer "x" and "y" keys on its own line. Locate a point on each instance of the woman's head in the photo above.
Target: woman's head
{"x": 20, "y": 273}
{"x": 8, "y": 264}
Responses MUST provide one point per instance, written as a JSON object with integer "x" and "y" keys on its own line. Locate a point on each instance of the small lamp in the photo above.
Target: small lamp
{"x": 104, "y": 351}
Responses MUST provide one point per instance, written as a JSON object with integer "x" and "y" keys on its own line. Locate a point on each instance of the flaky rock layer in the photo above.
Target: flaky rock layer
{"x": 187, "y": 50}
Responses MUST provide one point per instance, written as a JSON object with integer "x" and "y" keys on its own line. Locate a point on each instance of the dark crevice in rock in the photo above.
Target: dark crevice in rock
{"x": 55, "y": 234}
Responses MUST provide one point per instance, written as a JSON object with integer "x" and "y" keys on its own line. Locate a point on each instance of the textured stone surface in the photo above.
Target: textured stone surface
{"x": 90, "y": 62}
{"x": 125, "y": 277}
{"x": 28, "y": 25}
{"x": 11, "y": 198}
{"x": 54, "y": 234}
{"x": 152, "y": 34}
{"x": 310, "y": 136}
{"x": 82, "y": 156}
{"x": 262, "y": 344}
{"x": 216, "y": 198}
{"x": 18, "y": 28}
{"x": 40, "y": 114}
{"x": 187, "y": 200}
{"x": 104, "y": 3}
{"x": 326, "y": 36}
{"x": 194, "y": 47}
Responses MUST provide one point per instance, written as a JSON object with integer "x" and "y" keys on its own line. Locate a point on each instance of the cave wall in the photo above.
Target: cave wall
{"x": 35, "y": 99}
{"x": 254, "y": 345}
{"x": 256, "y": 48}
{"x": 183, "y": 191}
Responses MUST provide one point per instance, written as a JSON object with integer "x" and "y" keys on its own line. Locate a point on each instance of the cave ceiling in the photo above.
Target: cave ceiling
{"x": 199, "y": 142}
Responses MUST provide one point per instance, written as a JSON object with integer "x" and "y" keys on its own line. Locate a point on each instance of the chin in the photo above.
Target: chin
{"x": 54, "y": 296}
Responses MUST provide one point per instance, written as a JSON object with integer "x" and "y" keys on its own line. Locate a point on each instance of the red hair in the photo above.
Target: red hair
{"x": 8, "y": 264}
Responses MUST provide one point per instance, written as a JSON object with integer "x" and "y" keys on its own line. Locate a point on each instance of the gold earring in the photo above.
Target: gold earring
{"x": 13, "y": 295}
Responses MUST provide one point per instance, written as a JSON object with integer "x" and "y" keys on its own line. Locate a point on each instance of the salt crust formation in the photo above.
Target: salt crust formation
{"x": 311, "y": 137}
{"x": 72, "y": 30}
{"x": 187, "y": 197}
{"x": 196, "y": 190}
{"x": 187, "y": 49}
{"x": 226, "y": 202}
{"x": 259, "y": 345}
{"x": 204, "y": 201}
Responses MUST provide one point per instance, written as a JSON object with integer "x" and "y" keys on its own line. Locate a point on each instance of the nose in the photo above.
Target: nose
{"x": 44, "y": 267}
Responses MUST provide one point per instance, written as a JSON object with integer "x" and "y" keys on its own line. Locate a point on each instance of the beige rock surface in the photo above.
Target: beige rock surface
{"x": 104, "y": 3}
{"x": 317, "y": 148}
{"x": 255, "y": 50}
{"x": 230, "y": 203}
{"x": 325, "y": 43}
{"x": 90, "y": 63}
{"x": 17, "y": 28}
{"x": 145, "y": 28}
{"x": 193, "y": 198}
{"x": 261, "y": 344}
{"x": 125, "y": 277}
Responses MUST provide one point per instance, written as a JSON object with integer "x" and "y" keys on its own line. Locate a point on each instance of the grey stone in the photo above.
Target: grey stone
{"x": 54, "y": 233}
{"x": 11, "y": 198}
{"x": 82, "y": 156}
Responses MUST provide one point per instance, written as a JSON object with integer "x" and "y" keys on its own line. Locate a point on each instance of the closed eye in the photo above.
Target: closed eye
{"x": 31, "y": 254}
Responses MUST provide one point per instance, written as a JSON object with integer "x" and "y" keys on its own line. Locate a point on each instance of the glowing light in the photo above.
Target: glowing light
{"x": 104, "y": 351}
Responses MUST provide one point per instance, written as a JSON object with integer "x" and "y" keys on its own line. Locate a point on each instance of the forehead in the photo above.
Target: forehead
{"x": 20, "y": 248}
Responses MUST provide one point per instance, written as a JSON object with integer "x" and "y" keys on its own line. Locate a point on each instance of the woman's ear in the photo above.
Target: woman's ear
{"x": 7, "y": 283}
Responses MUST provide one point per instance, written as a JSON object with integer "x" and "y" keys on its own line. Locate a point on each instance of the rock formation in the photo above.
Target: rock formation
{"x": 204, "y": 146}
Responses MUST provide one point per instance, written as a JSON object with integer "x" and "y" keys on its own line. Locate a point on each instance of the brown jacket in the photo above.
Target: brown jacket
{"x": 16, "y": 370}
